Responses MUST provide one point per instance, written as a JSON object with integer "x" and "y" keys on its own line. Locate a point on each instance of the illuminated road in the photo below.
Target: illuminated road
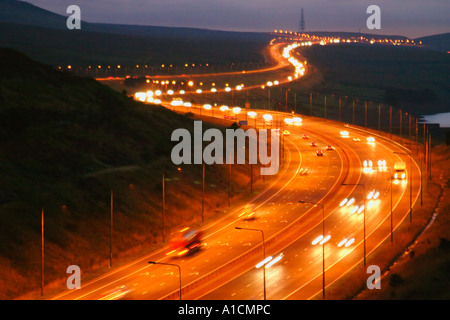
{"x": 225, "y": 267}
{"x": 298, "y": 275}
{"x": 274, "y": 51}
{"x": 222, "y": 240}
{"x": 229, "y": 258}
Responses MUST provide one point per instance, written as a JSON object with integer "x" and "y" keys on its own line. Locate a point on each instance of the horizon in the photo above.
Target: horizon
{"x": 395, "y": 21}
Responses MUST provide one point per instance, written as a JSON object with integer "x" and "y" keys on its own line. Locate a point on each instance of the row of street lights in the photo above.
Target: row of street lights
{"x": 323, "y": 226}
{"x": 305, "y": 202}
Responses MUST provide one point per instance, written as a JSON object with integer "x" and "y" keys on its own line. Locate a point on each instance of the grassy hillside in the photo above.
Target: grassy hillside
{"x": 65, "y": 142}
{"x": 410, "y": 78}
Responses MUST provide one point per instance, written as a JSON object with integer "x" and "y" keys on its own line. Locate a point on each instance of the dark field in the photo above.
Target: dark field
{"x": 65, "y": 143}
{"x": 82, "y": 49}
{"x": 412, "y": 79}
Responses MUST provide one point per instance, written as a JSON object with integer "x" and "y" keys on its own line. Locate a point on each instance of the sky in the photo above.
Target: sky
{"x": 411, "y": 18}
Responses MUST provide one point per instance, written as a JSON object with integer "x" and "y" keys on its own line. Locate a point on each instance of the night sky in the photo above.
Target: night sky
{"x": 412, "y": 18}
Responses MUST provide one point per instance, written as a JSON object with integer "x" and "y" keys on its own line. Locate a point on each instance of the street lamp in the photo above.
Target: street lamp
{"x": 269, "y": 84}
{"x": 236, "y": 111}
{"x": 410, "y": 182}
{"x": 170, "y": 264}
{"x": 323, "y": 244}
{"x": 264, "y": 253}
{"x": 164, "y": 201}
{"x": 364, "y": 187}
{"x": 209, "y": 107}
{"x": 267, "y": 118}
{"x": 252, "y": 114}
{"x": 392, "y": 222}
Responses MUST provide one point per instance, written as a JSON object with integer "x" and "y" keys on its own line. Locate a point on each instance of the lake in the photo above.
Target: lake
{"x": 442, "y": 118}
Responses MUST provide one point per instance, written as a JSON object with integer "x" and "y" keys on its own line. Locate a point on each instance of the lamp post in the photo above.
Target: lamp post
{"x": 203, "y": 192}
{"x": 364, "y": 218}
{"x": 236, "y": 111}
{"x": 179, "y": 170}
{"x": 390, "y": 122}
{"x": 365, "y": 114}
{"x": 264, "y": 254}
{"x": 252, "y": 114}
{"x": 163, "y": 206}
{"x": 42, "y": 252}
{"x": 111, "y": 230}
{"x": 410, "y": 182}
{"x": 323, "y": 244}
{"x": 295, "y": 102}
{"x": 379, "y": 118}
{"x": 392, "y": 222}
{"x": 170, "y": 264}
{"x": 353, "y": 121}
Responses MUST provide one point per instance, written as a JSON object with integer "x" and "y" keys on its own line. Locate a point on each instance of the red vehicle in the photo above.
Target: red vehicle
{"x": 313, "y": 144}
{"x": 305, "y": 136}
{"x": 329, "y": 147}
{"x": 186, "y": 242}
{"x": 319, "y": 153}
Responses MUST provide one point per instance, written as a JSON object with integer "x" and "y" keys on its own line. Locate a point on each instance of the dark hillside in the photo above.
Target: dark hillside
{"x": 65, "y": 142}
{"x": 413, "y": 79}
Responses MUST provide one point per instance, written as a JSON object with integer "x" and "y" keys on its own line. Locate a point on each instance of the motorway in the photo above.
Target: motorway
{"x": 298, "y": 275}
{"x": 274, "y": 52}
{"x": 225, "y": 267}
{"x": 280, "y": 73}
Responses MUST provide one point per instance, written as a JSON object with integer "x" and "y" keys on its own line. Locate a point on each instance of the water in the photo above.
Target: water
{"x": 442, "y": 118}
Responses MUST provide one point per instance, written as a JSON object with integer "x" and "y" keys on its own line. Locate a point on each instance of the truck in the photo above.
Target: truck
{"x": 399, "y": 170}
{"x": 185, "y": 242}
